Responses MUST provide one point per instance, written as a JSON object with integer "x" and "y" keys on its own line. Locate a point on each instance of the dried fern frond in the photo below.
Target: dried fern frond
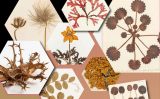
{"x": 42, "y": 15}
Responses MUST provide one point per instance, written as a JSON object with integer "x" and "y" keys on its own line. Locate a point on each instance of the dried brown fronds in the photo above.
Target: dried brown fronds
{"x": 19, "y": 74}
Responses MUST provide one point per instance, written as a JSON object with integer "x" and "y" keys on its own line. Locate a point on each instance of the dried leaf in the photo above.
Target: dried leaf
{"x": 65, "y": 85}
{"x": 70, "y": 97}
{"x": 71, "y": 79}
{"x": 64, "y": 77}
{"x": 55, "y": 76}
{"x": 50, "y": 89}
{"x": 60, "y": 95}
{"x": 51, "y": 97}
{"x": 58, "y": 85}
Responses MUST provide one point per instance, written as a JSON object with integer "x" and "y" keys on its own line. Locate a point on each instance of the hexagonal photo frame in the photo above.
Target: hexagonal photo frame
{"x": 85, "y": 15}
{"x": 25, "y": 67}
{"x": 32, "y": 20}
{"x": 62, "y": 85}
{"x": 131, "y": 37}
{"x": 67, "y": 46}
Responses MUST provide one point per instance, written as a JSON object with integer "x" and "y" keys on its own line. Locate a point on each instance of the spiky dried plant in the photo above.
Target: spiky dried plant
{"x": 43, "y": 15}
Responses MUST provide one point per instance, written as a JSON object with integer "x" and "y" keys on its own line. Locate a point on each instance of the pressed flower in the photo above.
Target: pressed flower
{"x": 124, "y": 35}
{"x": 142, "y": 89}
{"x": 153, "y": 51}
{"x": 69, "y": 35}
{"x": 145, "y": 19}
{"x": 130, "y": 48}
{"x": 113, "y": 53}
{"x": 111, "y": 23}
{"x": 146, "y": 59}
{"x": 120, "y": 13}
{"x": 114, "y": 90}
{"x": 138, "y": 6}
{"x": 134, "y": 64}
{"x": 142, "y": 27}
{"x": 129, "y": 20}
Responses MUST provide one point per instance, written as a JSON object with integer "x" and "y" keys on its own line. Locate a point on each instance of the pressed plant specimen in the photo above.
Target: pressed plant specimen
{"x": 142, "y": 89}
{"x": 18, "y": 23}
{"x": 71, "y": 56}
{"x": 19, "y": 74}
{"x": 122, "y": 91}
{"x": 135, "y": 87}
{"x": 114, "y": 91}
{"x": 44, "y": 16}
{"x": 100, "y": 73}
{"x": 133, "y": 32}
{"x": 80, "y": 9}
{"x": 129, "y": 88}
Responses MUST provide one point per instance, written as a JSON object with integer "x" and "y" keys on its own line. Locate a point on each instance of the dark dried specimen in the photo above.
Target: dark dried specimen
{"x": 146, "y": 60}
{"x": 124, "y": 35}
{"x": 120, "y": 13}
{"x": 141, "y": 97}
{"x": 75, "y": 59}
{"x": 153, "y": 51}
{"x": 134, "y": 64}
{"x": 135, "y": 86}
{"x": 114, "y": 90}
{"x": 20, "y": 74}
{"x": 129, "y": 88}
{"x": 138, "y": 6}
{"x": 129, "y": 20}
{"x": 121, "y": 89}
{"x": 130, "y": 48}
{"x": 145, "y": 19}
{"x": 111, "y": 23}
{"x": 113, "y": 53}
{"x": 142, "y": 27}
{"x": 142, "y": 89}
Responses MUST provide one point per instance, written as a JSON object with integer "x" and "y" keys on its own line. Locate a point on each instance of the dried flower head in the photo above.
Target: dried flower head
{"x": 146, "y": 60}
{"x": 123, "y": 34}
{"x": 129, "y": 88}
{"x": 120, "y": 13}
{"x": 138, "y": 6}
{"x": 142, "y": 89}
{"x": 130, "y": 48}
{"x": 141, "y": 97}
{"x": 18, "y": 22}
{"x": 113, "y": 53}
{"x": 135, "y": 86}
{"x": 121, "y": 89}
{"x": 134, "y": 64}
{"x": 42, "y": 15}
{"x": 153, "y": 51}
{"x": 145, "y": 19}
{"x": 142, "y": 27}
{"x": 69, "y": 35}
{"x": 114, "y": 90}
{"x": 111, "y": 23}
{"x": 129, "y": 20}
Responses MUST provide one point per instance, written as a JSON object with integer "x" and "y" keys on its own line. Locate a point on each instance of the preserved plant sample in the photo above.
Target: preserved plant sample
{"x": 133, "y": 33}
{"x": 19, "y": 74}
{"x": 100, "y": 73}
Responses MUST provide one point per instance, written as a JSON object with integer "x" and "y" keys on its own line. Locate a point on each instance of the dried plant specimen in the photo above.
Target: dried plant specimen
{"x": 141, "y": 97}
{"x": 129, "y": 88}
{"x": 99, "y": 73}
{"x": 89, "y": 10}
{"x": 114, "y": 91}
{"x": 122, "y": 91}
{"x": 55, "y": 84}
{"x": 19, "y": 74}
{"x": 142, "y": 89}
{"x": 71, "y": 56}
{"x": 133, "y": 33}
{"x": 135, "y": 87}
{"x": 18, "y": 23}
{"x": 43, "y": 16}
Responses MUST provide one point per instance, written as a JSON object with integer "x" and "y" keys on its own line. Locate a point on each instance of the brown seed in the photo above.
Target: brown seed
{"x": 65, "y": 85}
{"x": 50, "y": 89}
{"x": 51, "y": 97}
{"x": 70, "y": 97}
{"x": 55, "y": 76}
{"x": 58, "y": 85}
{"x": 71, "y": 79}
{"x": 60, "y": 95}
{"x": 64, "y": 77}
{"x": 44, "y": 94}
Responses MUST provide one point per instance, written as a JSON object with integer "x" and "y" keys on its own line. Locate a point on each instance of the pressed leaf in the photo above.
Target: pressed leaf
{"x": 64, "y": 77}
{"x": 70, "y": 97}
{"x": 51, "y": 97}
{"x": 55, "y": 76}
{"x": 71, "y": 79}
{"x": 50, "y": 89}
{"x": 65, "y": 85}
{"x": 58, "y": 85}
{"x": 60, "y": 95}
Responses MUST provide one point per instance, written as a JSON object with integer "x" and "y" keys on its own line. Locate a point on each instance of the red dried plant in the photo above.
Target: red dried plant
{"x": 134, "y": 32}
{"x": 79, "y": 10}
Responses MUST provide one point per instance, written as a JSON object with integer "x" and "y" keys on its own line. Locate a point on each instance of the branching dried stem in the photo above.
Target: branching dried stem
{"x": 20, "y": 74}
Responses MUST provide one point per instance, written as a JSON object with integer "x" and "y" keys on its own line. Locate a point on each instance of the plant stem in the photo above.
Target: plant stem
{"x": 45, "y": 36}
{"x": 15, "y": 33}
{"x": 124, "y": 43}
{"x": 69, "y": 52}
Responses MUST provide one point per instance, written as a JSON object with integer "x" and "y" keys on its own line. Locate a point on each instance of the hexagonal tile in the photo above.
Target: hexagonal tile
{"x": 68, "y": 46}
{"x": 131, "y": 36}
{"x": 27, "y": 58}
{"x": 28, "y": 20}
{"x": 99, "y": 74}
{"x": 85, "y": 15}
{"x": 64, "y": 85}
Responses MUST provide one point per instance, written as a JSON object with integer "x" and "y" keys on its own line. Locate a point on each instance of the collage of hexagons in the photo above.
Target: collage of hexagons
{"x": 102, "y": 52}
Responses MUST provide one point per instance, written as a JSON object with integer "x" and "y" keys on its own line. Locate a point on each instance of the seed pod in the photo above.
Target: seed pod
{"x": 58, "y": 85}
{"x": 71, "y": 79}
{"x": 50, "y": 89}
{"x": 55, "y": 76}
{"x": 65, "y": 85}
{"x": 60, "y": 95}
{"x": 64, "y": 77}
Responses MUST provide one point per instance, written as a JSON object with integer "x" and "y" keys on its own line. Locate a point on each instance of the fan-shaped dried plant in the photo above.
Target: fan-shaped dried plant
{"x": 43, "y": 15}
{"x": 18, "y": 22}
